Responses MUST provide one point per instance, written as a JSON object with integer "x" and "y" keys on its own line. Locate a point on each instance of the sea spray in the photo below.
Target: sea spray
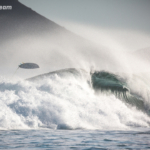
{"x": 64, "y": 103}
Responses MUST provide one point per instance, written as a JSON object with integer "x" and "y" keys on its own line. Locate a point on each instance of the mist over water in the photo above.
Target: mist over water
{"x": 69, "y": 102}
{"x": 103, "y": 50}
{"x": 64, "y": 103}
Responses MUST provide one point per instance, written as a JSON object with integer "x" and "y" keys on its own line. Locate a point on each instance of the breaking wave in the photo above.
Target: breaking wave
{"x": 74, "y": 99}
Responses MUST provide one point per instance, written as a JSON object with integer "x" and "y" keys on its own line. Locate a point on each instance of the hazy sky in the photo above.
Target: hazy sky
{"x": 110, "y": 15}
{"x": 128, "y": 14}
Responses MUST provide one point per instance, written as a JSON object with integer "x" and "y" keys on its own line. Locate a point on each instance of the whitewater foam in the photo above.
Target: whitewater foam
{"x": 63, "y": 103}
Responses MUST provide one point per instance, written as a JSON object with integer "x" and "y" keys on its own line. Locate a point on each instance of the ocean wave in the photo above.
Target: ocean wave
{"x": 71, "y": 99}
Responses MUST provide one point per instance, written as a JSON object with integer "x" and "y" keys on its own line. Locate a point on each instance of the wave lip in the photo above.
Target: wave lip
{"x": 62, "y": 73}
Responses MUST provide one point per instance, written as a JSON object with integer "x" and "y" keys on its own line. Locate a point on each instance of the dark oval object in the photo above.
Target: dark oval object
{"x": 29, "y": 66}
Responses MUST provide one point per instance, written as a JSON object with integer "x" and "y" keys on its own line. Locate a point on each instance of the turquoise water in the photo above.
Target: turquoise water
{"x": 74, "y": 139}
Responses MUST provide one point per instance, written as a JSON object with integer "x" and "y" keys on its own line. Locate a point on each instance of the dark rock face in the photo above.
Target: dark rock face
{"x": 23, "y": 20}
{"x": 26, "y": 36}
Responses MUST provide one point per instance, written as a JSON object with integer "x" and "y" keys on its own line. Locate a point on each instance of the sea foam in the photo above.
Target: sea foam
{"x": 64, "y": 103}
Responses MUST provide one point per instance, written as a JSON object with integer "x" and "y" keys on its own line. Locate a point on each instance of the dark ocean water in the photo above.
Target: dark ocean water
{"x": 74, "y": 139}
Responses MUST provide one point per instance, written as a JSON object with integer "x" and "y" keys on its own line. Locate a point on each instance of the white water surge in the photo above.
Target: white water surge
{"x": 63, "y": 103}
{"x": 69, "y": 103}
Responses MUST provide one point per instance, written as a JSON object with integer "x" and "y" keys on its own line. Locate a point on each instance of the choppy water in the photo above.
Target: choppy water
{"x": 74, "y": 139}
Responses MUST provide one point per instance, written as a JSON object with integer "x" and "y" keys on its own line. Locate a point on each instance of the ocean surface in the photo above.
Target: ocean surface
{"x": 74, "y": 109}
{"x": 74, "y": 139}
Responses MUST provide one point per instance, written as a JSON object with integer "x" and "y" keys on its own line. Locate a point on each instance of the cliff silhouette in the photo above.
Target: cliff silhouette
{"x": 22, "y": 20}
{"x": 26, "y": 36}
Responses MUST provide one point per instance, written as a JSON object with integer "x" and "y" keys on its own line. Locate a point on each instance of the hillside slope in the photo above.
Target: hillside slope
{"x": 26, "y": 36}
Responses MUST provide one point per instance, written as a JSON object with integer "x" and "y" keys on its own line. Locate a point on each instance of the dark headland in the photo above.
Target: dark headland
{"x": 21, "y": 21}
{"x": 26, "y": 36}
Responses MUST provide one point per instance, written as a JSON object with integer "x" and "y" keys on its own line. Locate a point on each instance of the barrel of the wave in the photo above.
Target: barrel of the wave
{"x": 113, "y": 84}
{"x": 109, "y": 83}
{"x": 106, "y": 81}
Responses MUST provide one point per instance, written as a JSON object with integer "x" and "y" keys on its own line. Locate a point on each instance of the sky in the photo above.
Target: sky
{"x": 126, "y": 21}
